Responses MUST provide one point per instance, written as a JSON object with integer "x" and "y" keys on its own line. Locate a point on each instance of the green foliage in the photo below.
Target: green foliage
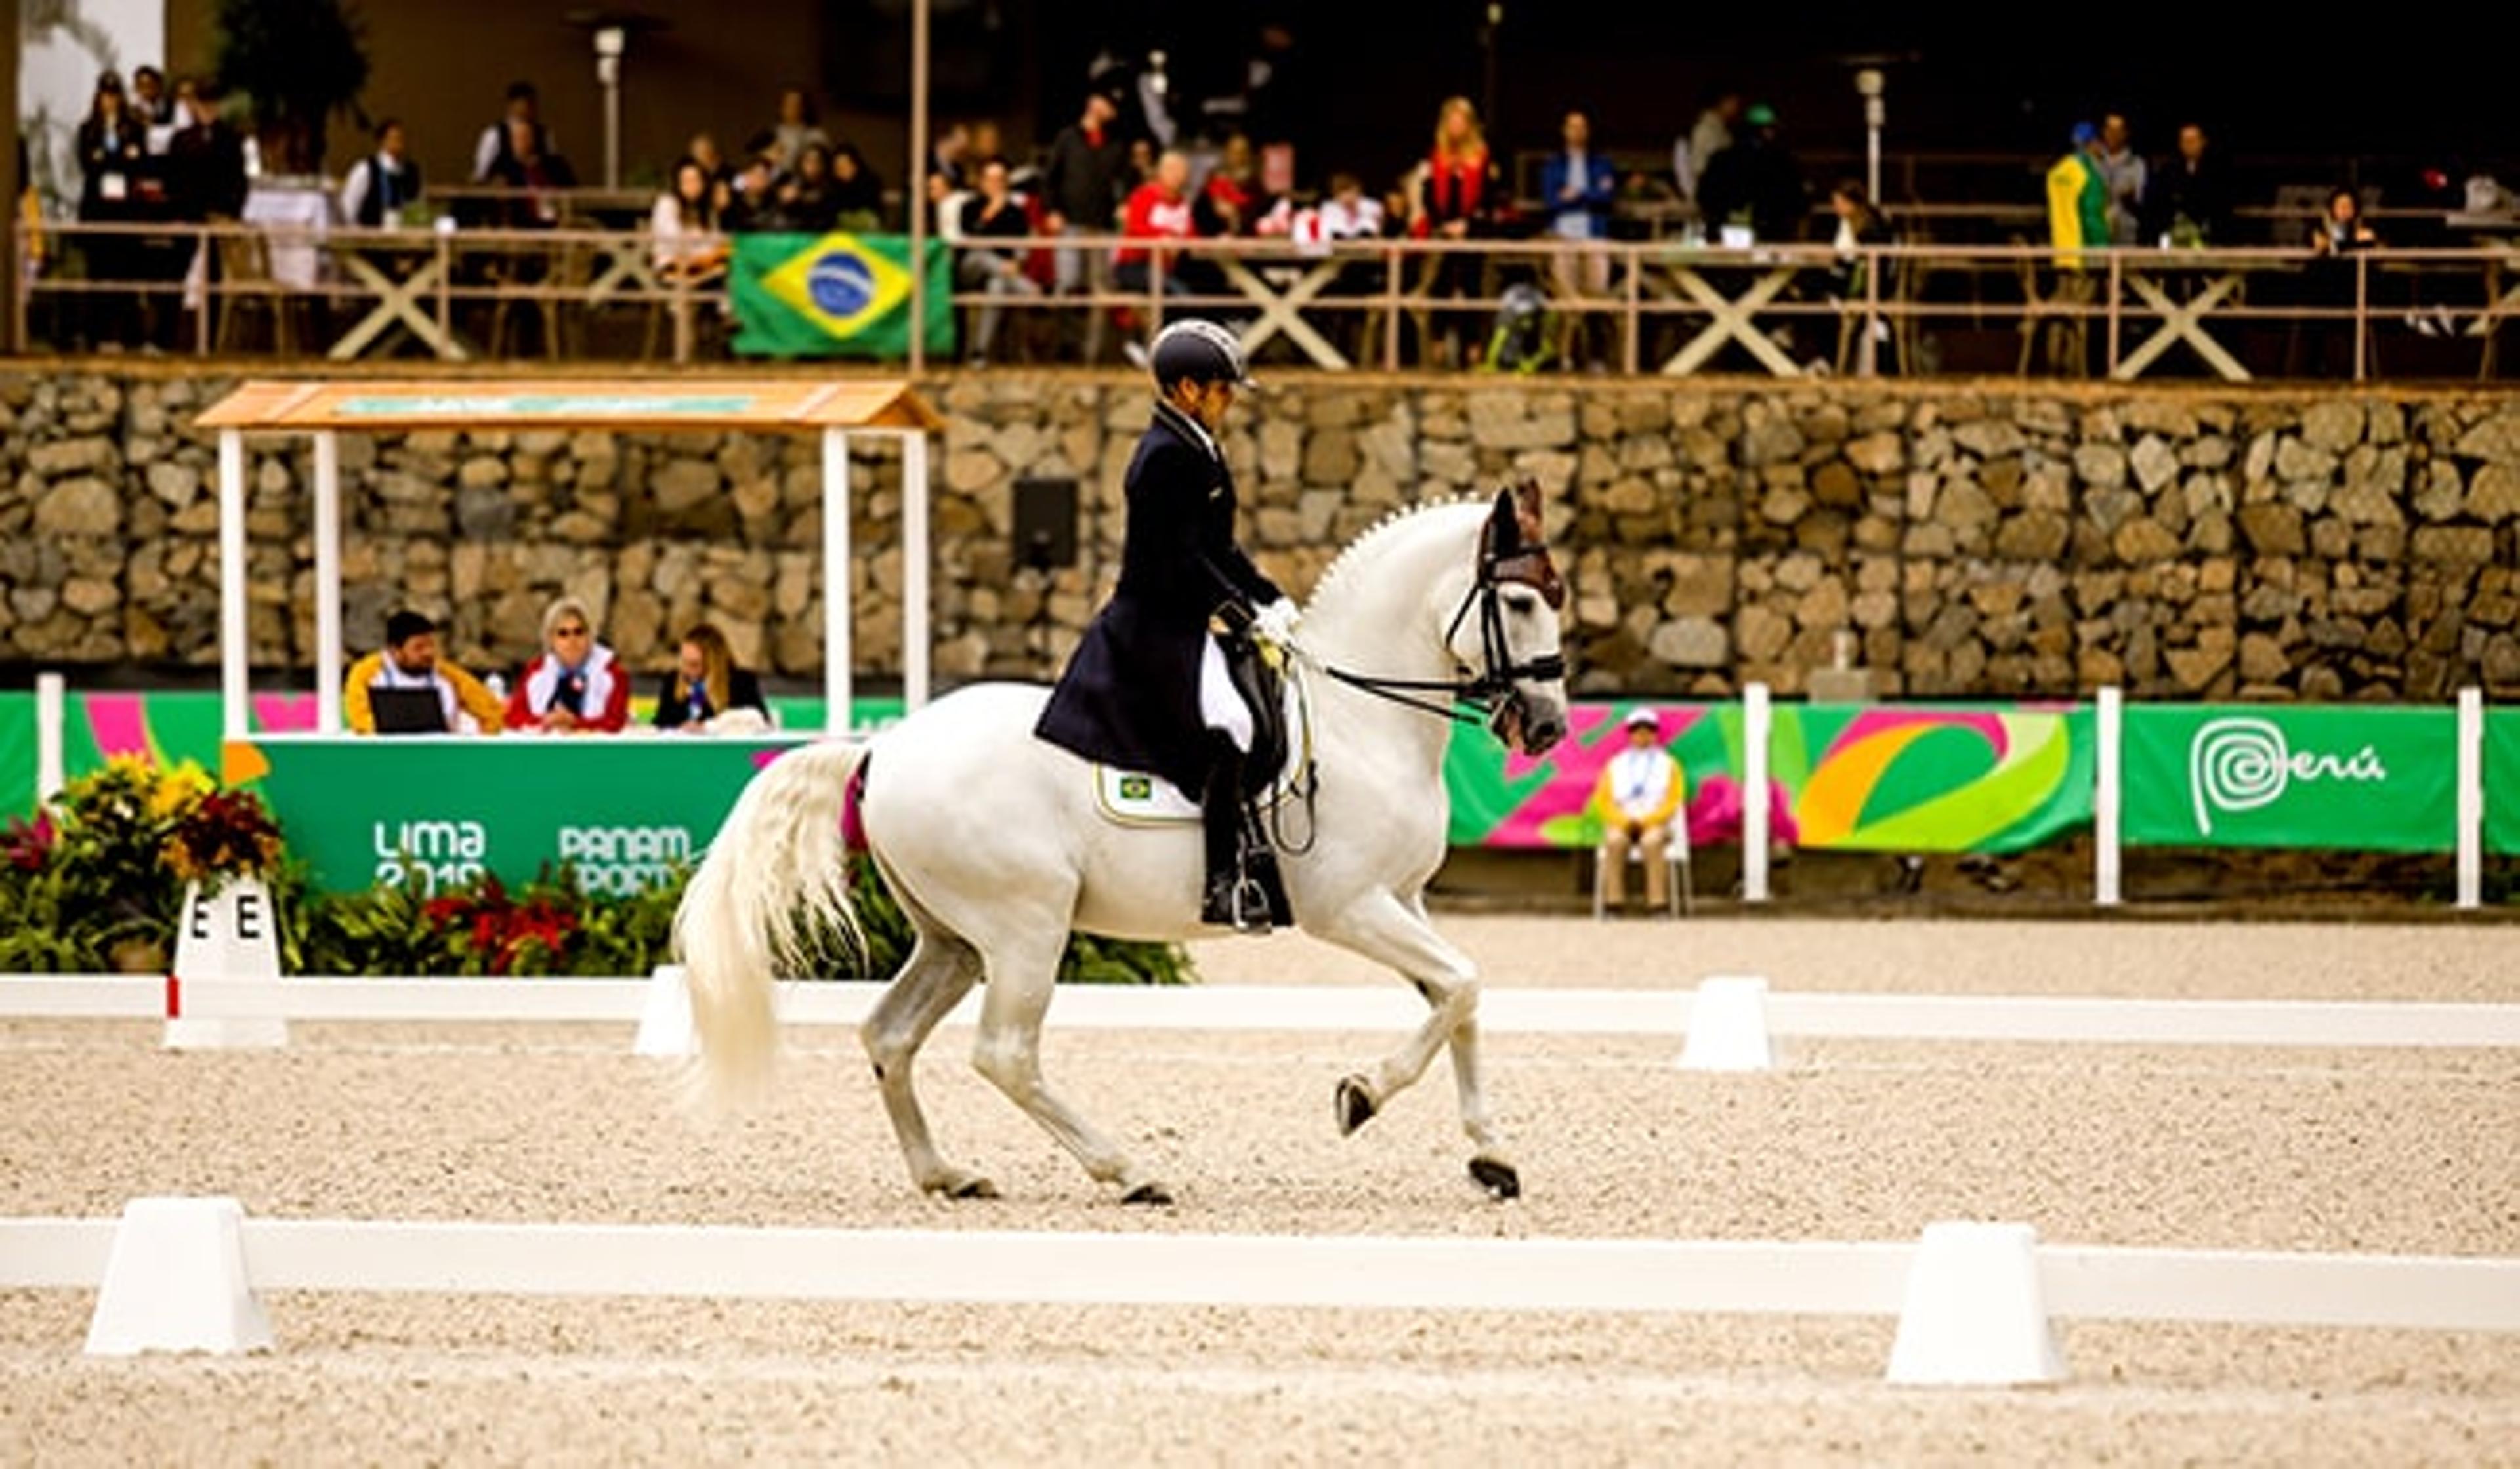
{"x": 100, "y": 870}
{"x": 300, "y": 61}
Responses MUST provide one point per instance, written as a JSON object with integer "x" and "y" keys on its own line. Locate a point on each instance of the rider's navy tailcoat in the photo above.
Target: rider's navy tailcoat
{"x": 1130, "y": 695}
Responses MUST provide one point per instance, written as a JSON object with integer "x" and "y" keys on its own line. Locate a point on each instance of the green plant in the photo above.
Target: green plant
{"x": 301, "y": 62}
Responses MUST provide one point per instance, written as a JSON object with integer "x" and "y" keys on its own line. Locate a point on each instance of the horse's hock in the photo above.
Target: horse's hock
{"x": 1991, "y": 539}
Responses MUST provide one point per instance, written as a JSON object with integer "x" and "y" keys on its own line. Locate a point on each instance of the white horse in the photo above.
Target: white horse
{"x": 992, "y": 841}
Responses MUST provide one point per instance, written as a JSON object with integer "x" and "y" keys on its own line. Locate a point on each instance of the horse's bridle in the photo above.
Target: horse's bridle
{"x": 1491, "y": 693}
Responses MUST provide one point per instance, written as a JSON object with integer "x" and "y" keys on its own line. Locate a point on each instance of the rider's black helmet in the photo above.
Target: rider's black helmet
{"x": 1197, "y": 351}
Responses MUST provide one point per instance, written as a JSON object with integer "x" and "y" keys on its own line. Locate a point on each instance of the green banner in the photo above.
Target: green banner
{"x": 621, "y": 813}
{"x": 835, "y": 295}
{"x": 2502, "y": 781}
{"x": 172, "y": 728}
{"x": 2374, "y": 780}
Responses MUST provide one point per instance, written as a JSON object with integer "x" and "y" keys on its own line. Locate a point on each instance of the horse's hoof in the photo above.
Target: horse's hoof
{"x": 1149, "y": 1193}
{"x": 973, "y": 1187}
{"x": 1354, "y": 1104}
{"x": 1498, "y": 1177}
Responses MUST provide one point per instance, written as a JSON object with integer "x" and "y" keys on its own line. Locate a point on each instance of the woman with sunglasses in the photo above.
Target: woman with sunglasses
{"x": 575, "y": 683}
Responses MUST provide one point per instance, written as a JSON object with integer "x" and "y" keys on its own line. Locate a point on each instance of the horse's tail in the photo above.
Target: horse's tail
{"x": 776, "y": 876}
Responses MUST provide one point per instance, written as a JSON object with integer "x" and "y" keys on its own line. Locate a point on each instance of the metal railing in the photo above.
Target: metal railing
{"x": 1633, "y": 307}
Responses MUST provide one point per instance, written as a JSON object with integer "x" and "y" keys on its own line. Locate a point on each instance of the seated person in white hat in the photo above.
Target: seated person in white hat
{"x": 1642, "y": 788}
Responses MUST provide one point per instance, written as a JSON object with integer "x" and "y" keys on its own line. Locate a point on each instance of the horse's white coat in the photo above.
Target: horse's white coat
{"x": 991, "y": 840}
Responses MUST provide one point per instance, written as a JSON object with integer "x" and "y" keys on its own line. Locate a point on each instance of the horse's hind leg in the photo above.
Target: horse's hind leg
{"x": 1021, "y": 978}
{"x": 1396, "y": 933}
{"x": 940, "y": 972}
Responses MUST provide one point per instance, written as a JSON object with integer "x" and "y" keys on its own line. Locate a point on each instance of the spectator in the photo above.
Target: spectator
{"x": 1860, "y": 224}
{"x": 499, "y": 138}
{"x": 1756, "y": 182}
{"x": 1230, "y": 202}
{"x": 1641, "y": 790}
{"x": 992, "y": 213}
{"x": 2341, "y": 234}
{"x": 807, "y": 195}
{"x": 533, "y": 177}
{"x": 2187, "y": 204}
{"x": 575, "y": 682}
{"x": 112, "y": 155}
{"x": 1082, "y": 188}
{"x": 705, "y": 684}
{"x": 796, "y": 130}
{"x": 409, "y": 660}
{"x": 205, "y": 173}
{"x": 682, "y": 229}
{"x": 2122, "y": 170}
{"x": 158, "y": 113}
{"x": 1141, "y": 166}
{"x": 384, "y": 184}
{"x": 753, "y": 204}
{"x": 947, "y": 158}
{"x": 703, "y": 150}
{"x": 1159, "y": 210}
{"x": 1457, "y": 197}
{"x": 1576, "y": 187}
{"x": 857, "y": 195}
{"x": 2078, "y": 199}
{"x": 1711, "y": 135}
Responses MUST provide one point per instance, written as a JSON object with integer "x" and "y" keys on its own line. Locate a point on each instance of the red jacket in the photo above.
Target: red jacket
{"x": 606, "y": 700}
{"x": 1154, "y": 213}
{"x": 1466, "y": 187}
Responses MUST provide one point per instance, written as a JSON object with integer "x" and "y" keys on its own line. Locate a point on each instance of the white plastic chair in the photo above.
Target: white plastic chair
{"x": 1680, "y": 882}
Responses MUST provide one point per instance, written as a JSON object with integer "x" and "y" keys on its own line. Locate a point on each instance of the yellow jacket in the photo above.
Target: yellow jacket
{"x": 1605, "y": 802}
{"x": 469, "y": 696}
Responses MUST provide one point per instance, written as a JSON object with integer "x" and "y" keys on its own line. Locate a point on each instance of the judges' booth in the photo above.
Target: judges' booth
{"x": 621, "y": 810}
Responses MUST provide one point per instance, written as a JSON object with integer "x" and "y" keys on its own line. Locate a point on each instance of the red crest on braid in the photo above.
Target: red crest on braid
{"x": 1512, "y": 546}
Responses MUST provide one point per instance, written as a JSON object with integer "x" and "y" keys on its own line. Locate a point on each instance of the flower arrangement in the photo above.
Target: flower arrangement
{"x": 221, "y": 835}
{"x": 503, "y": 935}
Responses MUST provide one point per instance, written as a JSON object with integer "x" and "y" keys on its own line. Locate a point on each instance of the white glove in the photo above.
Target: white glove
{"x": 1277, "y": 621}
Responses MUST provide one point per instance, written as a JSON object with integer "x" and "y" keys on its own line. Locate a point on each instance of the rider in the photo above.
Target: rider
{"x": 1148, "y": 689}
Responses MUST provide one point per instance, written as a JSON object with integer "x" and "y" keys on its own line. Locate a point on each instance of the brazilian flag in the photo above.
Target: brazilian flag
{"x": 835, "y": 295}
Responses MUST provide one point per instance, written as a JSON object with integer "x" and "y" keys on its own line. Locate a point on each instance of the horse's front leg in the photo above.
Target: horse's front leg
{"x": 1386, "y": 929}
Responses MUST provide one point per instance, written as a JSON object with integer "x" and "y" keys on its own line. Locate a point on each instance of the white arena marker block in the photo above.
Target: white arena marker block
{"x": 176, "y": 1282}
{"x": 225, "y": 943}
{"x": 665, "y": 1025}
{"x": 1975, "y": 1315}
{"x": 1728, "y": 1026}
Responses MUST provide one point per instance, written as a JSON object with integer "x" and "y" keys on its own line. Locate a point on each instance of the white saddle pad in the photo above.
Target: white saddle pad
{"x": 1137, "y": 799}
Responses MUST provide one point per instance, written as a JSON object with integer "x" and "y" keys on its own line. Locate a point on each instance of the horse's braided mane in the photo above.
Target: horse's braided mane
{"x": 1346, "y": 559}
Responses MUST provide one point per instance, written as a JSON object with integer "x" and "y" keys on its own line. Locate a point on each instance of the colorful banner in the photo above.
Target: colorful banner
{"x": 621, "y": 813}
{"x": 2502, "y": 781}
{"x": 1842, "y": 778}
{"x": 2374, "y": 779}
{"x": 835, "y": 295}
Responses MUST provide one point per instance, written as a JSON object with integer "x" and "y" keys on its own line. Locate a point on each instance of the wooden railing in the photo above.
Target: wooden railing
{"x": 1633, "y": 307}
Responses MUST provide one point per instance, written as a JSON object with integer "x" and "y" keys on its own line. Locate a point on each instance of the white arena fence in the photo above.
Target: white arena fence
{"x": 1669, "y": 1012}
{"x": 1974, "y": 1301}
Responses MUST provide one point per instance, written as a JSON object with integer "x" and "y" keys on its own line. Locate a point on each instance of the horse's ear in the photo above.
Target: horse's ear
{"x": 1505, "y": 527}
{"x": 1527, "y": 513}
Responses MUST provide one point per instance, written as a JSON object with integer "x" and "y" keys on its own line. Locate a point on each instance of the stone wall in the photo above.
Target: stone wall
{"x": 1960, "y": 539}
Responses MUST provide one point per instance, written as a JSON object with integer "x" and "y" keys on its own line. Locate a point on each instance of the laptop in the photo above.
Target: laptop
{"x": 407, "y": 711}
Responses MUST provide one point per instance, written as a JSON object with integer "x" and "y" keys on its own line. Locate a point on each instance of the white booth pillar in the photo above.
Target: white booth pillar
{"x": 235, "y": 648}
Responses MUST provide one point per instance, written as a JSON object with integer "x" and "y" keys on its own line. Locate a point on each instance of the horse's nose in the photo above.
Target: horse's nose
{"x": 1545, "y": 733}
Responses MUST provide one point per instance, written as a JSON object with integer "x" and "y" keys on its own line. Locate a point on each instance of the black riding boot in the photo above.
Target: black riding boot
{"x": 1230, "y": 896}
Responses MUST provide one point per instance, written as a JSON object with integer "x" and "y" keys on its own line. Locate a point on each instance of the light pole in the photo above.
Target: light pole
{"x": 1867, "y": 85}
{"x": 610, "y": 42}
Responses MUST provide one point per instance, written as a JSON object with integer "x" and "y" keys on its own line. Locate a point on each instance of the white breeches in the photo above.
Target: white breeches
{"x": 1219, "y": 706}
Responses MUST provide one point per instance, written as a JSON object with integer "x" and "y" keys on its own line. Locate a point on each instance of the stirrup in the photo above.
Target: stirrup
{"x": 1237, "y": 901}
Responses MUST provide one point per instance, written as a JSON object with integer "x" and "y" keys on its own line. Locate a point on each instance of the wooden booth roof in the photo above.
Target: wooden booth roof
{"x": 703, "y": 405}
